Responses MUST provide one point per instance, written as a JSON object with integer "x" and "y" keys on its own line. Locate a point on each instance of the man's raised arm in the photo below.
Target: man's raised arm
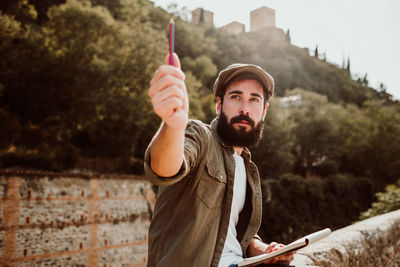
{"x": 170, "y": 102}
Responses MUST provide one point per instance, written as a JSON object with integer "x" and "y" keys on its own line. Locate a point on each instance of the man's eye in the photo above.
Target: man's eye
{"x": 255, "y": 100}
{"x": 234, "y": 97}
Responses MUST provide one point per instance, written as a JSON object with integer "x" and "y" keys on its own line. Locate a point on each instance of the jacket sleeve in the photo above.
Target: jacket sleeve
{"x": 195, "y": 138}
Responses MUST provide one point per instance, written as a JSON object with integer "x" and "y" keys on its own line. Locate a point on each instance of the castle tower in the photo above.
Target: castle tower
{"x": 234, "y": 28}
{"x": 200, "y": 15}
{"x": 260, "y": 18}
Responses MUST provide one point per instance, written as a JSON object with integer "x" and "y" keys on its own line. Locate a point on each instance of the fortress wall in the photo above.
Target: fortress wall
{"x": 73, "y": 220}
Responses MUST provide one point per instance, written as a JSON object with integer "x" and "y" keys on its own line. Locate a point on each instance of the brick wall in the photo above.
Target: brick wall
{"x": 52, "y": 219}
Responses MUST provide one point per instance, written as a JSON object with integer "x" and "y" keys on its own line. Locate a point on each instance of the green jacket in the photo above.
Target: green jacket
{"x": 191, "y": 215}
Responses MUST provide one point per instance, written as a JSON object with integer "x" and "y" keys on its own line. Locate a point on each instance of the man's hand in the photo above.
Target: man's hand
{"x": 257, "y": 247}
{"x": 170, "y": 102}
{"x": 169, "y": 96}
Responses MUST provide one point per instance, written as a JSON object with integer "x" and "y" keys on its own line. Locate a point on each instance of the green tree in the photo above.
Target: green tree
{"x": 273, "y": 155}
{"x": 202, "y": 67}
{"x": 348, "y": 65}
{"x": 317, "y": 132}
{"x": 316, "y": 54}
{"x": 374, "y": 147}
{"x": 386, "y": 202}
{"x": 91, "y": 63}
{"x": 22, "y": 10}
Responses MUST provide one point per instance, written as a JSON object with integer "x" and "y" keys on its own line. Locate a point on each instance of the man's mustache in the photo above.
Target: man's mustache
{"x": 243, "y": 117}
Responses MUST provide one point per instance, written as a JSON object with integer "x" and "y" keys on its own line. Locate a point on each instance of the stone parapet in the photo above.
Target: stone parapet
{"x": 369, "y": 243}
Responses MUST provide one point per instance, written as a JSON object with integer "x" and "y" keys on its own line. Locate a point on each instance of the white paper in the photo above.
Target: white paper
{"x": 298, "y": 244}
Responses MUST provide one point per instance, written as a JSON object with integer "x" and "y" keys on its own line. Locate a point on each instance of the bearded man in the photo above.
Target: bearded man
{"x": 208, "y": 208}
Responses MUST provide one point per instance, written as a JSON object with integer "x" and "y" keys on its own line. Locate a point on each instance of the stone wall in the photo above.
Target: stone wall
{"x": 52, "y": 219}
{"x": 234, "y": 28}
{"x": 369, "y": 243}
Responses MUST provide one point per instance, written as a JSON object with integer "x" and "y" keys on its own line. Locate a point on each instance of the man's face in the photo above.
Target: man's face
{"x": 242, "y": 113}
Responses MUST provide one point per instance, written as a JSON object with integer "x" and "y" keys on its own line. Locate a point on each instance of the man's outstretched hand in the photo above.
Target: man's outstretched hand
{"x": 169, "y": 96}
{"x": 170, "y": 102}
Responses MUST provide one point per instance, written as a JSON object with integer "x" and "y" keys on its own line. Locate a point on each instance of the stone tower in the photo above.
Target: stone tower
{"x": 234, "y": 28}
{"x": 200, "y": 15}
{"x": 261, "y": 18}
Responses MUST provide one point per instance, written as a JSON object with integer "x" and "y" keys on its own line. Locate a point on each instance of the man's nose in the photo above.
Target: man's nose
{"x": 244, "y": 108}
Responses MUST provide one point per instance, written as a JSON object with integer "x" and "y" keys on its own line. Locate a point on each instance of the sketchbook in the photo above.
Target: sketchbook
{"x": 298, "y": 244}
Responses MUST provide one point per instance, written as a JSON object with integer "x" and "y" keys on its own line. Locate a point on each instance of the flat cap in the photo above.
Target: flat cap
{"x": 226, "y": 75}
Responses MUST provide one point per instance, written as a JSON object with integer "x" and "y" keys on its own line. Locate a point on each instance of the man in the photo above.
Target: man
{"x": 208, "y": 208}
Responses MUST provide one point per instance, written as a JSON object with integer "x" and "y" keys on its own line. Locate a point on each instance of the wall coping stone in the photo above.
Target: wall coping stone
{"x": 372, "y": 242}
{"x": 70, "y": 174}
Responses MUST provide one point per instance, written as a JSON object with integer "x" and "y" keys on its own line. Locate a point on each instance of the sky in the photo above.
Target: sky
{"x": 366, "y": 31}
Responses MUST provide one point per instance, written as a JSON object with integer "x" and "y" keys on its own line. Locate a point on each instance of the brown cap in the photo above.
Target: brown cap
{"x": 226, "y": 75}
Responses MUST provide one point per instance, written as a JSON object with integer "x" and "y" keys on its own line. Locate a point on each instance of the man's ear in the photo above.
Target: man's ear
{"x": 218, "y": 106}
{"x": 265, "y": 110}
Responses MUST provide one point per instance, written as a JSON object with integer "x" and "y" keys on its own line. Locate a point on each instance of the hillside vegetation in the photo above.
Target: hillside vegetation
{"x": 73, "y": 95}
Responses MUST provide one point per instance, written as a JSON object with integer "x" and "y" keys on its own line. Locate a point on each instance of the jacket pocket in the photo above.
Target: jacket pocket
{"x": 212, "y": 185}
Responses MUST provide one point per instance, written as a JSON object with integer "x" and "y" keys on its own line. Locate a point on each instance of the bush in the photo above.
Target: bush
{"x": 30, "y": 161}
{"x": 295, "y": 206}
{"x": 387, "y": 201}
{"x": 55, "y": 159}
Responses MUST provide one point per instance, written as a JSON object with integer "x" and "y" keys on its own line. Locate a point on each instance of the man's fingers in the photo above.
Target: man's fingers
{"x": 167, "y": 70}
{"x": 174, "y": 70}
{"x": 285, "y": 259}
{"x": 166, "y": 108}
{"x": 172, "y": 91}
{"x": 165, "y": 82}
{"x": 271, "y": 247}
{"x": 177, "y": 62}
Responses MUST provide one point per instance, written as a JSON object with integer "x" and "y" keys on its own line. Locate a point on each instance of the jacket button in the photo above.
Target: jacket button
{"x": 221, "y": 241}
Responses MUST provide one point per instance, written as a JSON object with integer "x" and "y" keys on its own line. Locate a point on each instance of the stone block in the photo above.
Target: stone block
{"x": 36, "y": 241}
{"x": 123, "y": 256}
{"x": 120, "y": 188}
{"x": 2, "y": 236}
{"x": 43, "y": 187}
{"x": 123, "y": 210}
{"x": 3, "y": 187}
{"x": 76, "y": 260}
{"x": 53, "y": 212}
{"x": 122, "y": 233}
{"x": 1, "y": 213}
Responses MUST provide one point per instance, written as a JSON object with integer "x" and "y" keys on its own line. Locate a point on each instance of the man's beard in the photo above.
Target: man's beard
{"x": 233, "y": 137}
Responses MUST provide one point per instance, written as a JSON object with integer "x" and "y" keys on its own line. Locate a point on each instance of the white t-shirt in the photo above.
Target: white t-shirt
{"x": 232, "y": 252}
